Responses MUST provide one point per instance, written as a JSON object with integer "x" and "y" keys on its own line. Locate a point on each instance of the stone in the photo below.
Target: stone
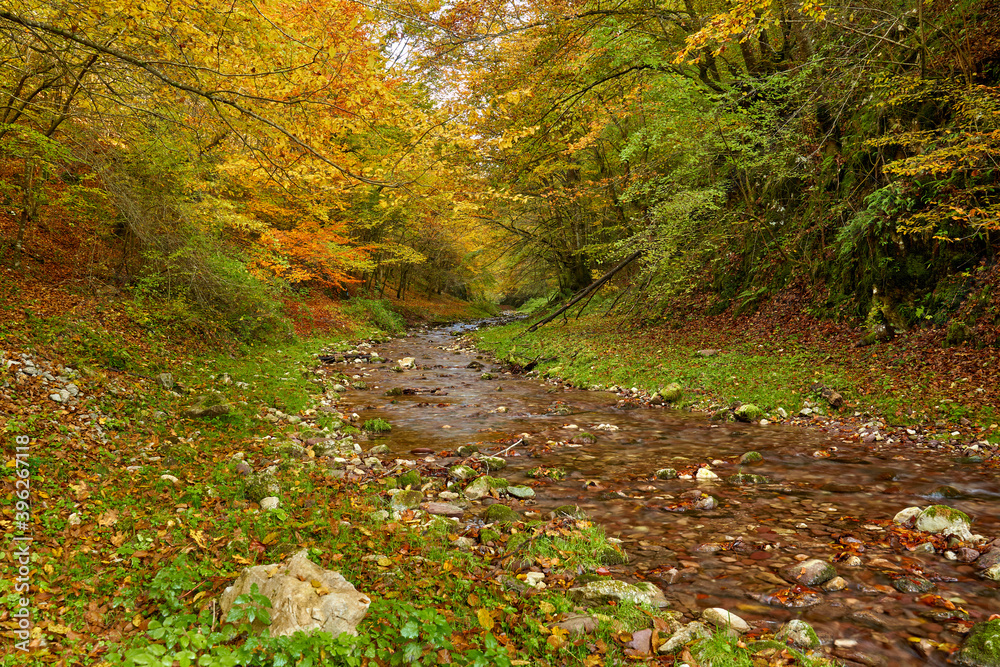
{"x": 705, "y": 475}
{"x": 461, "y": 472}
{"x": 522, "y": 492}
{"x": 907, "y": 517}
{"x": 835, "y": 584}
{"x": 269, "y": 503}
{"x": 708, "y": 352}
{"x": 206, "y": 407}
{"x": 812, "y": 572}
{"x": 410, "y": 478}
{"x": 944, "y": 520}
{"x": 684, "y": 636}
{"x": 609, "y": 555}
{"x": 481, "y": 487}
{"x": 493, "y": 462}
{"x": 500, "y": 513}
{"x": 406, "y": 500}
{"x": 571, "y": 511}
{"x": 165, "y": 381}
{"x": 443, "y": 509}
{"x": 261, "y": 485}
{"x": 578, "y": 624}
{"x": 170, "y": 478}
{"x": 721, "y": 618}
{"x": 750, "y": 458}
{"x": 406, "y": 363}
{"x": 743, "y": 479}
{"x": 912, "y": 583}
{"x": 981, "y": 647}
{"x": 800, "y": 633}
{"x": 666, "y": 473}
{"x": 304, "y": 598}
{"x": 992, "y": 573}
{"x": 608, "y": 590}
{"x": 671, "y": 393}
{"x": 748, "y": 412}
{"x": 988, "y": 559}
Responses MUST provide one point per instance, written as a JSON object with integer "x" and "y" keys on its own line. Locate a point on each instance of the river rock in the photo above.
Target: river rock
{"x": 443, "y": 509}
{"x": 410, "y": 478}
{"x": 812, "y": 572}
{"x": 907, "y": 517}
{"x": 604, "y": 591}
{"x": 913, "y": 583}
{"x": 706, "y": 475}
{"x": 407, "y": 363}
{"x": 493, "y": 463}
{"x": 461, "y": 472}
{"x": 686, "y": 635}
{"x": 743, "y": 479}
{"x": 944, "y": 520}
{"x": 988, "y": 559}
{"x": 499, "y": 513}
{"x": 481, "y": 487}
{"x": 406, "y": 500}
{"x": 522, "y": 492}
{"x": 270, "y": 503}
{"x": 749, "y": 458}
{"x": 835, "y": 584}
{"x": 982, "y": 647}
{"x": 672, "y": 393}
{"x": 992, "y": 572}
{"x": 298, "y": 604}
{"x": 748, "y": 412}
{"x": 721, "y": 618}
{"x": 800, "y": 633}
{"x": 666, "y": 473}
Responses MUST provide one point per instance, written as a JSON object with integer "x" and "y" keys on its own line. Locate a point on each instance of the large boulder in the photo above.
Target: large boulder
{"x": 982, "y": 646}
{"x": 304, "y": 597}
{"x": 608, "y": 590}
{"x": 944, "y": 520}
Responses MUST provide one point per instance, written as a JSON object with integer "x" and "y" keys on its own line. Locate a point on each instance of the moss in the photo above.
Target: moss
{"x": 410, "y": 478}
{"x": 609, "y": 555}
{"x": 672, "y": 393}
{"x": 748, "y": 412}
{"x": 500, "y": 514}
{"x": 982, "y": 646}
{"x": 261, "y": 485}
{"x": 751, "y": 457}
{"x": 487, "y": 535}
{"x": 666, "y": 473}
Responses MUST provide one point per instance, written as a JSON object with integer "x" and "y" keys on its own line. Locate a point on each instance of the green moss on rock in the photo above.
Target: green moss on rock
{"x": 500, "y": 514}
{"x": 982, "y": 646}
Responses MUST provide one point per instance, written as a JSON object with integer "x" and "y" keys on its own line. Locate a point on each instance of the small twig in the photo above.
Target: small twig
{"x": 519, "y": 441}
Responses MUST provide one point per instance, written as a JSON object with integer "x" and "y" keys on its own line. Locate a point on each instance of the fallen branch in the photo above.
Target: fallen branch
{"x": 593, "y": 287}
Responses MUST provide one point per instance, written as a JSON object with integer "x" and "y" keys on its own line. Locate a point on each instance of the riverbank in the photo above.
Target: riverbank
{"x": 908, "y": 390}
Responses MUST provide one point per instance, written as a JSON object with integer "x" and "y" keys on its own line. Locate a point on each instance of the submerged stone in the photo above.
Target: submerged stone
{"x": 812, "y": 572}
{"x": 751, "y": 457}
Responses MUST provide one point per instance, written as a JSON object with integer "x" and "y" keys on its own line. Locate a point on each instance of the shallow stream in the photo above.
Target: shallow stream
{"x": 830, "y": 497}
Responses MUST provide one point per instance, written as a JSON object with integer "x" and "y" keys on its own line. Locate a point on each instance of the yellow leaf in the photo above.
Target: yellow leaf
{"x": 547, "y": 608}
{"x": 271, "y": 538}
{"x": 473, "y": 600}
{"x": 199, "y": 537}
{"x": 48, "y": 568}
{"x": 241, "y": 560}
{"x": 383, "y": 561}
{"x": 58, "y": 629}
{"x": 485, "y": 619}
{"x": 137, "y": 620}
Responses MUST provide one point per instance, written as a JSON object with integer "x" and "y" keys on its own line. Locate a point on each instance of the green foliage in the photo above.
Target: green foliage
{"x": 176, "y": 580}
{"x": 377, "y": 311}
{"x": 377, "y": 426}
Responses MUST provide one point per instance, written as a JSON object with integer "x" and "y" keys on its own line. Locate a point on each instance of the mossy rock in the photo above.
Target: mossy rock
{"x": 467, "y": 450}
{"x": 261, "y": 485}
{"x": 609, "y": 555}
{"x": 395, "y": 391}
{"x": 378, "y": 449}
{"x": 461, "y": 472}
{"x": 584, "y": 438}
{"x": 571, "y": 511}
{"x": 499, "y": 513}
{"x": 748, "y": 412}
{"x": 744, "y": 479}
{"x": 672, "y": 393}
{"x": 982, "y": 646}
{"x": 487, "y": 376}
{"x": 405, "y": 500}
{"x": 666, "y": 473}
{"x": 410, "y": 478}
{"x": 723, "y": 415}
{"x": 751, "y": 457}
{"x": 493, "y": 462}
{"x": 488, "y": 535}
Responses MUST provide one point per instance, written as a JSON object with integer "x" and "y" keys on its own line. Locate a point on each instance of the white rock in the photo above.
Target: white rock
{"x": 724, "y": 619}
{"x": 705, "y": 474}
{"x": 304, "y": 597}
{"x": 534, "y": 579}
{"x": 171, "y": 479}
{"x": 407, "y": 363}
{"x": 74, "y": 519}
{"x": 907, "y": 516}
{"x": 269, "y": 503}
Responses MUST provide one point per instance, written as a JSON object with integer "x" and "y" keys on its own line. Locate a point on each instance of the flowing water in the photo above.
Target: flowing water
{"x": 829, "y": 497}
